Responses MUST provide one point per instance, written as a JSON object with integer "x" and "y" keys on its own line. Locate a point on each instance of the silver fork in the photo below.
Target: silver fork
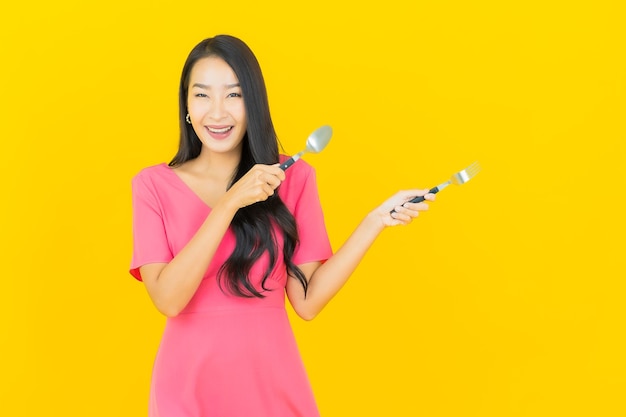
{"x": 459, "y": 178}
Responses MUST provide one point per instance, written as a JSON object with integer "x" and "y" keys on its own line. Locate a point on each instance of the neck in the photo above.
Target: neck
{"x": 217, "y": 165}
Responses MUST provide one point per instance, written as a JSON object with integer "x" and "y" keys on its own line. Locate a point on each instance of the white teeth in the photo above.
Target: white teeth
{"x": 223, "y": 130}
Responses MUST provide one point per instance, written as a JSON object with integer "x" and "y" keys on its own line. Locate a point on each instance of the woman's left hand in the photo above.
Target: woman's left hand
{"x": 397, "y": 210}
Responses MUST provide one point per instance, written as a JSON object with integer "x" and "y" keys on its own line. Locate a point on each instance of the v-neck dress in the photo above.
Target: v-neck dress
{"x": 223, "y": 355}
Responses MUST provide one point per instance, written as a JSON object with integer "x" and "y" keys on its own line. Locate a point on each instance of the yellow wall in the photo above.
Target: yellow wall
{"x": 505, "y": 299}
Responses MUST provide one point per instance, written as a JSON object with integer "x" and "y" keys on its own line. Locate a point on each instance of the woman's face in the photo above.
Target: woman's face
{"x": 216, "y": 106}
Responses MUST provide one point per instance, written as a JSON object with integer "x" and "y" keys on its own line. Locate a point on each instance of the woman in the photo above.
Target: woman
{"x": 221, "y": 234}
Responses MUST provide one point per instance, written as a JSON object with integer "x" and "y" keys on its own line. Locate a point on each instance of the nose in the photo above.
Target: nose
{"x": 218, "y": 109}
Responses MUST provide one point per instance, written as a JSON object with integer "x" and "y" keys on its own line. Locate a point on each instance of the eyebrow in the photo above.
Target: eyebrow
{"x": 206, "y": 87}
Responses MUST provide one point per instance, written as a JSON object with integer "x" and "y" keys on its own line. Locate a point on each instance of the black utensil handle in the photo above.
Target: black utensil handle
{"x": 289, "y": 162}
{"x": 420, "y": 198}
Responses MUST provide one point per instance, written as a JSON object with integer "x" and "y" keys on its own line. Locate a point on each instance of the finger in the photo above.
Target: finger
{"x": 273, "y": 171}
{"x": 270, "y": 180}
{"x": 400, "y": 217}
{"x": 415, "y": 206}
{"x": 263, "y": 195}
{"x": 276, "y": 171}
{"x": 410, "y": 209}
{"x": 268, "y": 190}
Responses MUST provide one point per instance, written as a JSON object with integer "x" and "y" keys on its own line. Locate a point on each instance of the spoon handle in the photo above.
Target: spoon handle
{"x": 289, "y": 162}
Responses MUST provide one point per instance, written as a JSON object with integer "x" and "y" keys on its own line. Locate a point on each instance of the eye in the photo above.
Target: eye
{"x": 201, "y": 95}
{"x": 234, "y": 95}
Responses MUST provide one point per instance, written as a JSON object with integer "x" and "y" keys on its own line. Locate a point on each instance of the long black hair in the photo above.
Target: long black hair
{"x": 254, "y": 226}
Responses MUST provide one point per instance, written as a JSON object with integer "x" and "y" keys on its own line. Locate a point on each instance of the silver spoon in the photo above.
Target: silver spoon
{"x": 315, "y": 143}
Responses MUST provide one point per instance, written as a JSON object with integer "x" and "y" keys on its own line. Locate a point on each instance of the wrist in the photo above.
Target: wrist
{"x": 374, "y": 222}
{"x": 226, "y": 205}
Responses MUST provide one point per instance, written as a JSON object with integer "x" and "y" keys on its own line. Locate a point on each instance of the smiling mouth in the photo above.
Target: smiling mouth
{"x": 220, "y": 130}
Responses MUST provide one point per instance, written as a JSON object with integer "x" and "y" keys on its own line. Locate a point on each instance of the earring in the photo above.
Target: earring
{"x": 188, "y": 118}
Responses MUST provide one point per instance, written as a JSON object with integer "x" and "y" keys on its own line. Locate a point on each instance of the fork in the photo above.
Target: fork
{"x": 459, "y": 178}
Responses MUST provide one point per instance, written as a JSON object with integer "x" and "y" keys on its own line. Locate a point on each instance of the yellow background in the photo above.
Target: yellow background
{"x": 505, "y": 299}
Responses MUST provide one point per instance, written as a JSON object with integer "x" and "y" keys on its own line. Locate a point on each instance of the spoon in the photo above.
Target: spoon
{"x": 315, "y": 143}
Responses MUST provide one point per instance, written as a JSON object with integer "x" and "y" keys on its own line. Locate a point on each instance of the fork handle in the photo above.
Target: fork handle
{"x": 420, "y": 198}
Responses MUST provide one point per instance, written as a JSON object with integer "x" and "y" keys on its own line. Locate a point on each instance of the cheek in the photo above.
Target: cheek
{"x": 194, "y": 108}
{"x": 239, "y": 111}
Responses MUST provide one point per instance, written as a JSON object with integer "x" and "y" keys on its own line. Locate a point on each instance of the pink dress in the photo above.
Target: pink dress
{"x": 225, "y": 356}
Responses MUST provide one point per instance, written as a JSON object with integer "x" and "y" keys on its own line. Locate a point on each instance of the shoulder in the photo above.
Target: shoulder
{"x": 151, "y": 178}
{"x": 150, "y": 173}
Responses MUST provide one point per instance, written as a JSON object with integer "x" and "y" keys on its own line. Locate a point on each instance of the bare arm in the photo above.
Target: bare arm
{"x": 171, "y": 285}
{"x": 326, "y": 279}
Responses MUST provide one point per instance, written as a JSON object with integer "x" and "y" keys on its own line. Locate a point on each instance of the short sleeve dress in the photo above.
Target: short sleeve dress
{"x": 223, "y": 355}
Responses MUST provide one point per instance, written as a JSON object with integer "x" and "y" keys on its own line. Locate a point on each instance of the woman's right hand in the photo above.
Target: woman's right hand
{"x": 258, "y": 184}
